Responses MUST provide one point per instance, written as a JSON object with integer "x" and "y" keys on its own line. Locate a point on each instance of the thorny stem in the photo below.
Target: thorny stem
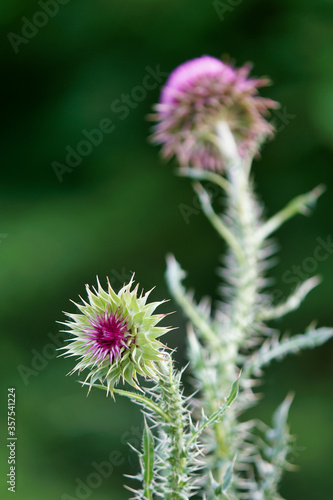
{"x": 172, "y": 402}
{"x": 241, "y": 325}
{"x": 243, "y": 214}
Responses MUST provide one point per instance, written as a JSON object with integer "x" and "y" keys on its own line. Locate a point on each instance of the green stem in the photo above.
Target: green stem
{"x": 245, "y": 296}
{"x": 177, "y": 456}
{"x": 243, "y": 209}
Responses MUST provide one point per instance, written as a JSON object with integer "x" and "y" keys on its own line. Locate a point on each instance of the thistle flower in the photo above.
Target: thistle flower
{"x": 197, "y": 96}
{"x": 115, "y": 336}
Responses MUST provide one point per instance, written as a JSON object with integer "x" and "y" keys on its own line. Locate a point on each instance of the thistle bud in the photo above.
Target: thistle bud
{"x": 115, "y": 336}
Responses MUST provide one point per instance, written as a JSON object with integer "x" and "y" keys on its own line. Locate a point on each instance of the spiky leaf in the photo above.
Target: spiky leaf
{"x": 148, "y": 459}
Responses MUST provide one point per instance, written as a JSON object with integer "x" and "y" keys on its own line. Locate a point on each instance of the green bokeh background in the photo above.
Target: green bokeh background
{"x": 119, "y": 211}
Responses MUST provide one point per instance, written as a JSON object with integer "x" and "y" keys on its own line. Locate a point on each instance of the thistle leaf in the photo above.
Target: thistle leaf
{"x": 292, "y": 302}
{"x": 206, "y": 422}
{"x": 277, "y": 349}
{"x": 174, "y": 277}
{"x": 276, "y": 453}
{"x": 280, "y": 417}
{"x": 218, "y": 224}
{"x": 234, "y": 391}
{"x": 220, "y": 490}
{"x": 148, "y": 456}
{"x": 227, "y": 478}
{"x": 299, "y": 205}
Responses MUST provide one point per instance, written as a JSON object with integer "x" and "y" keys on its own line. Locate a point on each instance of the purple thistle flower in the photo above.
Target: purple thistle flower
{"x": 107, "y": 336}
{"x": 115, "y": 336}
{"x": 197, "y": 96}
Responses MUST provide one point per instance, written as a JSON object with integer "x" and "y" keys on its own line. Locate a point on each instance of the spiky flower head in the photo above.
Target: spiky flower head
{"x": 115, "y": 336}
{"x": 197, "y": 96}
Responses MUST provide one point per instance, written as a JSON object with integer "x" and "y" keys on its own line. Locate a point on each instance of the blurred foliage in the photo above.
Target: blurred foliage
{"x": 118, "y": 211}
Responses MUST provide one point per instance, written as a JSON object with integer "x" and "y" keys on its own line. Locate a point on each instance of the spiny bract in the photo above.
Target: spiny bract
{"x": 115, "y": 336}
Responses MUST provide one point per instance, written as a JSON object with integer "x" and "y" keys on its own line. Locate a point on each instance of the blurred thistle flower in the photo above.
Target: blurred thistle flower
{"x": 200, "y": 94}
{"x": 115, "y": 336}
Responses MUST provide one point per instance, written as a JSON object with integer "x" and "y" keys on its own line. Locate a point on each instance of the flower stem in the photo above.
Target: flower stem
{"x": 238, "y": 325}
{"x": 243, "y": 211}
{"x": 177, "y": 484}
